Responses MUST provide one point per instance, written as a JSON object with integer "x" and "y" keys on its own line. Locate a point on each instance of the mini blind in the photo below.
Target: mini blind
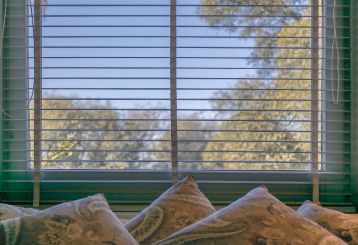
{"x": 126, "y": 97}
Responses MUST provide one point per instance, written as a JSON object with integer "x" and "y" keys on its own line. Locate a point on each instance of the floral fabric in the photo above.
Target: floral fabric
{"x": 87, "y": 221}
{"x": 257, "y": 218}
{"x": 340, "y": 224}
{"x": 10, "y": 211}
{"x": 181, "y": 205}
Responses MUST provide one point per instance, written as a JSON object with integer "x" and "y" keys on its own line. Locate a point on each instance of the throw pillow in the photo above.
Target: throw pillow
{"x": 257, "y": 218}
{"x": 87, "y": 221}
{"x": 10, "y": 211}
{"x": 181, "y": 205}
{"x": 340, "y": 224}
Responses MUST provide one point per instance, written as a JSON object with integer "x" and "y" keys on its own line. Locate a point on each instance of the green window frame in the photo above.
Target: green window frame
{"x": 354, "y": 98}
{"x": 14, "y": 145}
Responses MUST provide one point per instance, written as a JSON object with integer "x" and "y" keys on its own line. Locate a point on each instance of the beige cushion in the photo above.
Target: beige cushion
{"x": 342, "y": 225}
{"x": 87, "y": 221}
{"x": 257, "y": 218}
{"x": 10, "y": 211}
{"x": 180, "y": 206}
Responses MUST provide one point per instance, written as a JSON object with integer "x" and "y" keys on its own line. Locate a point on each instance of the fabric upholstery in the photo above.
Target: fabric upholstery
{"x": 87, "y": 221}
{"x": 257, "y": 218}
{"x": 180, "y": 206}
{"x": 342, "y": 225}
{"x": 11, "y": 211}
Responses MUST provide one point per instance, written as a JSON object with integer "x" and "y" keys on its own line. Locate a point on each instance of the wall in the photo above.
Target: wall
{"x": 354, "y": 103}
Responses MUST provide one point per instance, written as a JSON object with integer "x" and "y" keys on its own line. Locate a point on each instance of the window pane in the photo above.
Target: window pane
{"x": 245, "y": 75}
{"x": 243, "y": 78}
{"x": 105, "y": 84}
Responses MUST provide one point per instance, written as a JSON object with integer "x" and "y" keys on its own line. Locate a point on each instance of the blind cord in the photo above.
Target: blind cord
{"x": 335, "y": 92}
{"x": 1, "y": 47}
{"x": 3, "y": 25}
{"x": 33, "y": 34}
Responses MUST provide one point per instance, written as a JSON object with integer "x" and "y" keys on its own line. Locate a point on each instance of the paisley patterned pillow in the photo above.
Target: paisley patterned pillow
{"x": 10, "y": 211}
{"x": 180, "y": 206}
{"x": 340, "y": 224}
{"x": 257, "y": 218}
{"x": 87, "y": 221}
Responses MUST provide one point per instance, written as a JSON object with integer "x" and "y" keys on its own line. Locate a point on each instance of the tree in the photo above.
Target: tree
{"x": 193, "y": 133}
{"x": 258, "y": 20}
{"x": 260, "y": 142}
{"x": 89, "y": 137}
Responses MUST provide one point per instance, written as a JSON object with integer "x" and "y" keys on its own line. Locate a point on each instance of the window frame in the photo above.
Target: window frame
{"x": 354, "y": 97}
{"x": 14, "y": 84}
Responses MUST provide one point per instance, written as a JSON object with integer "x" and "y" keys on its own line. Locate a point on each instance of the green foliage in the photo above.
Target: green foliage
{"x": 190, "y": 128}
{"x": 250, "y": 24}
{"x": 263, "y": 136}
{"x": 89, "y": 137}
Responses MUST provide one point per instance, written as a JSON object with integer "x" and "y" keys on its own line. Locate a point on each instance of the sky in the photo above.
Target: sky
{"x": 65, "y": 69}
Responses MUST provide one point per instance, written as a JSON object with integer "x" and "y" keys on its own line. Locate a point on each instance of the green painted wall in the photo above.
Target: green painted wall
{"x": 1, "y": 104}
{"x": 336, "y": 115}
{"x": 14, "y": 84}
{"x": 354, "y": 96}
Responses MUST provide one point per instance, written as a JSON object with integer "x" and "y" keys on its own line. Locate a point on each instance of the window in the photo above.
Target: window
{"x": 130, "y": 95}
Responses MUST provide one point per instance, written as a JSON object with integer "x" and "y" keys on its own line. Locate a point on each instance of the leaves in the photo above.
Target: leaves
{"x": 275, "y": 139}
